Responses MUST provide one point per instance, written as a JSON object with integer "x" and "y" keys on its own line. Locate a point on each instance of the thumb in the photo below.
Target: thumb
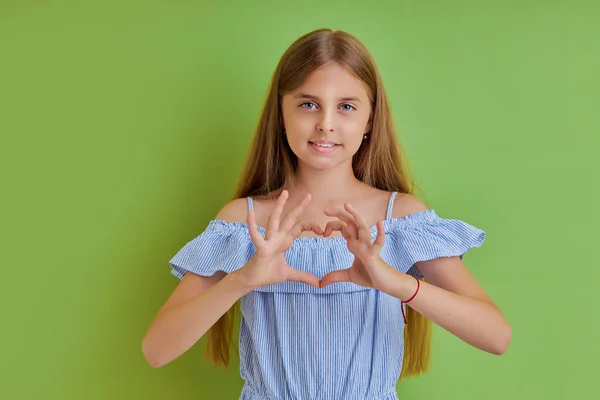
{"x": 341, "y": 275}
{"x": 304, "y": 277}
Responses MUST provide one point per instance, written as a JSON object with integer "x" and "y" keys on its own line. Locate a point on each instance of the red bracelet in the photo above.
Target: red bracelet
{"x": 413, "y": 296}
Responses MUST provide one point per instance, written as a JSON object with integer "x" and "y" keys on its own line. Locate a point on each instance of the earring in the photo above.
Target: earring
{"x": 365, "y": 137}
{"x": 284, "y": 131}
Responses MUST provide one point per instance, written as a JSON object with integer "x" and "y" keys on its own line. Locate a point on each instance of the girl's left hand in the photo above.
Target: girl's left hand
{"x": 368, "y": 269}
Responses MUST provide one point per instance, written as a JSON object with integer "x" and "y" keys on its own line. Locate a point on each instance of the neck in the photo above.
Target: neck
{"x": 324, "y": 185}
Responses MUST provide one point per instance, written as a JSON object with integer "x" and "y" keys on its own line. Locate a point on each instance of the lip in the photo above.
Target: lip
{"x": 322, "y": 142}
{"x": 323, "y": 150}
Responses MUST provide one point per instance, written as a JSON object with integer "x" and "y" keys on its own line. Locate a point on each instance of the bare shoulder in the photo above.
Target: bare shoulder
{"x": 407, "y": 204}
{"x": 237, "y": 210}
{"x": 234, "y": 211}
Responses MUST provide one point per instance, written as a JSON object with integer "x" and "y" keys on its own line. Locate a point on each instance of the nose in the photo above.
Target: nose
{"x": 325, "y": 125}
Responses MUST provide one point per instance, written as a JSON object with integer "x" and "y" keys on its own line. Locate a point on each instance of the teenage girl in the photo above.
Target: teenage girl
{"x": 324, "y": 245}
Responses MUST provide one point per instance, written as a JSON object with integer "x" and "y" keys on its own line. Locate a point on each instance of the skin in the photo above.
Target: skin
{"x": 333, "y": 105}
{"x": 325, "y": 199}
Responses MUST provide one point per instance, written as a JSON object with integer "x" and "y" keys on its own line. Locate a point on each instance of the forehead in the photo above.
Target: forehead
{"x": 333, "y": 80}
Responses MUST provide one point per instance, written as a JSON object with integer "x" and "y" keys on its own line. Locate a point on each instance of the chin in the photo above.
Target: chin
{"x": 319, "y": 163}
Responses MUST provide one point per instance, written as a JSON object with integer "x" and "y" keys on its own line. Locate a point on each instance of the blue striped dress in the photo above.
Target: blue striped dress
{"x": 343, "y": 341}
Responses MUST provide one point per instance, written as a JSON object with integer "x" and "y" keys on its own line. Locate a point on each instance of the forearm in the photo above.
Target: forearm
{"x": 177, "y": 329}
{"x": 476, "y": 322}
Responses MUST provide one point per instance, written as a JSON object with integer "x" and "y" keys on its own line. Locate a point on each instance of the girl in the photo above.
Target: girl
{"x": 324, "y": 245}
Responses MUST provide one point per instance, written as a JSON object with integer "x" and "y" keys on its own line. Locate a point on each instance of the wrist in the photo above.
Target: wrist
{"x": 239, "y": 282}
{"x": 402, "y": 286}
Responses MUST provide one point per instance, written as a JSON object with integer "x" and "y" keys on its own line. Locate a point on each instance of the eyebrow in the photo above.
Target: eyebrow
{"x": 311, "y": 97}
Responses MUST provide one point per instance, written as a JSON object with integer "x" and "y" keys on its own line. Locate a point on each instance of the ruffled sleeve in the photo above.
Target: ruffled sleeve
{"x": 424, "y": 236}
{"x": 221, "y": 246}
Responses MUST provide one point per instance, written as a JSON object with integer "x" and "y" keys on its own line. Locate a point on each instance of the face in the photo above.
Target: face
{"x": 325, "y": 119}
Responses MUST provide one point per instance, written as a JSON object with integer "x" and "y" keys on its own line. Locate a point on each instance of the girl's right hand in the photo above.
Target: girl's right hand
{"x": 268, "y": 265}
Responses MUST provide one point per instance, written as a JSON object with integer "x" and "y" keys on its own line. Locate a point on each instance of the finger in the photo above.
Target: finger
{"x": 340, "y": 226}
{"x": 346, "y": 217}
{"x": 304, "y": 277}
{"x": 273, "y": 222}
{"x": 341, "y": 275}
{"x": 293, "y": 216}
{"x": 380, "y": 239}
{"x": 364, "y": 231}
{"x": 339, "y": 213}
{"x": 253, "y": 229}
{"x": 305, "y": 226}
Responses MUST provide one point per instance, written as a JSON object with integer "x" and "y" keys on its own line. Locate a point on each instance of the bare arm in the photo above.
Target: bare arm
{"x": 452, "y": 298}
{"x": 198, "y": 302}
{"x": 193, "y": 307}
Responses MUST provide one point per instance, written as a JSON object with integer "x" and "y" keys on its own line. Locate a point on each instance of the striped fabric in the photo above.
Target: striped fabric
{"x": 340, "y": 342}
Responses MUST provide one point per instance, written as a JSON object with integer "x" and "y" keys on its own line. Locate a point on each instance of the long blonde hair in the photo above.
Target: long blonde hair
{"x": 378, "y": 163}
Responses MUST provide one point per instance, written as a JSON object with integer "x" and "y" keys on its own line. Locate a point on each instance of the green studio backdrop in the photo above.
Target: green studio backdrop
{"x": 125, "y": 123}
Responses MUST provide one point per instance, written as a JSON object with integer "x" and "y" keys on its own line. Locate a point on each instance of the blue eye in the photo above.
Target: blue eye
{"x": 307, "y": 103}
{"x": 312, "y": 106}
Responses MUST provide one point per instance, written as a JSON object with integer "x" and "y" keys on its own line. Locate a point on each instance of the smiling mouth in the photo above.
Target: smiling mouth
{"x": 323, "y": 148}
{"x": 324, "y": 145}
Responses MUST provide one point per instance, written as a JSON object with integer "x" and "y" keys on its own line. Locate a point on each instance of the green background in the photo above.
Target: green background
{"x": 124, "y": 125}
